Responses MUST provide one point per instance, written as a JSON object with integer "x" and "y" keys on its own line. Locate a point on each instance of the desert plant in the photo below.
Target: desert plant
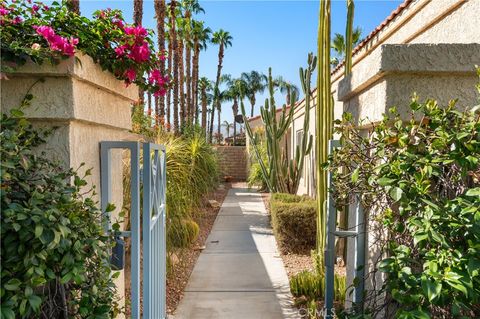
{"x": 282, "y": 174}
{"x": 311, "y": 286}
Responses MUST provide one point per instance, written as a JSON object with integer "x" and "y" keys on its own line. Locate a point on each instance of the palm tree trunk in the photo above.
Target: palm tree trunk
{"x": 217, "y": 83}
{"x": 137, "y": 20}
{"x": 219, "y": 120}
{"x": 252, "y": 101}
{"x": 74, "y": 6}
{"x": 160, "y": 15}
{"x": 196, "y": 59}
{"x": 149, "y": 104}
{"x": 188, "y": 80}
{"x": 173, "y": 44}
{"x": 181, "y": 82}
{"x": 204, "y": 111}
{"x": 235, "y": 112}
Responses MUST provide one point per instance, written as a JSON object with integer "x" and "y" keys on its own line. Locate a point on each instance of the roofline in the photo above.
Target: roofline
{"x": 375, "y": 31}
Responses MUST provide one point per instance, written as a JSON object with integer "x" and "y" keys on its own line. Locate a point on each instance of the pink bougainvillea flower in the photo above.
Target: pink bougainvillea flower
{"x": 56, "y": 42}
{"x": 44, "y": 31}
{"x": 17, "y": 20}
{"x": 130, "y": 75}
{"x": 154, "y": 76}
{"x": 138, "y": 32}
{"x": 4, "y": 11}
{"x": 120, "y": 51}
{"x": 140, "y": 53}
{"x": 160, "y": 92}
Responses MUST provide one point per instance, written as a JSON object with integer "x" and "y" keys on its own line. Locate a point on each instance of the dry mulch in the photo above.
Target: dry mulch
{"x": 186, "y": 259}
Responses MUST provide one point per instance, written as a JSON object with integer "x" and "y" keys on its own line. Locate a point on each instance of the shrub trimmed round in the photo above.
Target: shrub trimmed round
{"x": 294, "y": 222}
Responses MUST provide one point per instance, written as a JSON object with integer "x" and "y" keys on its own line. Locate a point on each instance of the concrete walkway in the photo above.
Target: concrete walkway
{"x": 240, "y": 274}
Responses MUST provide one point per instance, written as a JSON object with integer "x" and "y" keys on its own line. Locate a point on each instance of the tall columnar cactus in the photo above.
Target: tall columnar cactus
{"x": 282, "y": 174}
{"x": 323, "y": 123}
{"x": 349, "y": 37}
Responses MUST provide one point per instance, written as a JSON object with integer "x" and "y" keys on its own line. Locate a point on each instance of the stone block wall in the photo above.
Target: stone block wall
{"x": 232, "y": 161}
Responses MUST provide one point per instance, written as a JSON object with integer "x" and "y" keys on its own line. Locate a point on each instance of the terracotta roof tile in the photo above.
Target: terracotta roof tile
{"x": 379, "y": 28}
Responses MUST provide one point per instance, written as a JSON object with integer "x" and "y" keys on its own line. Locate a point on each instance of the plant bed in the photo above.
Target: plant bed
{"x": 185, "y": 261}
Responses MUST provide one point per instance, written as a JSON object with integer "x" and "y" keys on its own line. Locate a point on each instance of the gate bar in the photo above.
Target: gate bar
{"x": 106, "y": 198}
{"x": 331, "y": 233}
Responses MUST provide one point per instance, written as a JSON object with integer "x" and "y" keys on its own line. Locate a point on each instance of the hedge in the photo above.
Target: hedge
{"x": 293, "y": 221}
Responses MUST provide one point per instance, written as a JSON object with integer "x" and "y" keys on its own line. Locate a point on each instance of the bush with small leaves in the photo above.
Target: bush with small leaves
{"x": 54, "y": 251}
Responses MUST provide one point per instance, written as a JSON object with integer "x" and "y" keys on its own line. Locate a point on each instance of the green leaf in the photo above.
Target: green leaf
{"x": 473, "y": 192}
{"x": 35, "y": 302}
{"x": 396, "y": 193}
{"x": 12, "y": 284}
{"x": 38, "y": 230}
{"x": 384, "y": 181}
{"x": 355, "y": 175}
{"x": 417, "y": 238}
{"x": 7, "y": 313}
{"x": 431, "y": 288}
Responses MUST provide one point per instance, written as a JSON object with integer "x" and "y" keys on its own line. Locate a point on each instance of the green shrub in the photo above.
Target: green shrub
{"x": 289, "y": 198}
{"x": 293, "y": 222}
{"x": 311, "y": 285}
{"x": 420, "y": 182}
{"x": 53, "y": 247}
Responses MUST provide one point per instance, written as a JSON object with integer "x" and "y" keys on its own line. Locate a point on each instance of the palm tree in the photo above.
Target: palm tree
{"x": 201, "y": 35}
{"x": 189, "y": 7}
{"x": 286, "y": 87}
{"x": 236, "y": 91}
{"x": 256, "y": 83}
{"x": 160, "y": 16}
{"x": 222, "y": 96}
{"x": 137, "y": 20}
{"x": 224, "y": 40}
{"x": 172, "y": 50}
{"x": 339, "y": 46}
{"x": 227, "y": 126}
{"x": 181, "y": 73}
{"x": 205, "y": 85}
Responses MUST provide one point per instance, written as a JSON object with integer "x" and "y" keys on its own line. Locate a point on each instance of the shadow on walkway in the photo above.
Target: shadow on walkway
{"x": 240, "y": 274}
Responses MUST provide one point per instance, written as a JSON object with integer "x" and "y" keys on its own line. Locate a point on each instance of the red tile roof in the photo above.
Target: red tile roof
{"x": 379, "y": 28}
{"x": 361, "y": 45}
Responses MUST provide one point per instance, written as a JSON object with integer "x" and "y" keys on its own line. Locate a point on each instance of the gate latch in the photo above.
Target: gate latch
{"x": 117, "y": 260}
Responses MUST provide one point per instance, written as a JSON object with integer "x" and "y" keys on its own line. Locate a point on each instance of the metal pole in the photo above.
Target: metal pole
{"x": 135, "y": 228}
{"x": 330, "y": 245}
{"x": 359, "y": 255}
{"x": 105, "y": 186}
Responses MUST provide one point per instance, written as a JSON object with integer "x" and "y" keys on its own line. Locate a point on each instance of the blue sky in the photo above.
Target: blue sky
{"x": 277, "y": 34}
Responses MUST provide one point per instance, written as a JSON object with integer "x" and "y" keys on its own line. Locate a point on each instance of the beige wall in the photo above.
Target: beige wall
{"x": 86, "y": 105}
{"x": 430, "y": 48}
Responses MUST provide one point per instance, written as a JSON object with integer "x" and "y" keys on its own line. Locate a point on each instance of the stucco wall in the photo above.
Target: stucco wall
{"x": 86, "y": 105}
{"x": 439, "y": 64}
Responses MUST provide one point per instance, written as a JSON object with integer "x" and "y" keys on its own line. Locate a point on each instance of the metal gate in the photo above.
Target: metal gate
{"x": 148, "y": 191}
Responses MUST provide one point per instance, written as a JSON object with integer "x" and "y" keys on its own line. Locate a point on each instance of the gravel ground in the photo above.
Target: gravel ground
{"x": 186, "y": 259}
